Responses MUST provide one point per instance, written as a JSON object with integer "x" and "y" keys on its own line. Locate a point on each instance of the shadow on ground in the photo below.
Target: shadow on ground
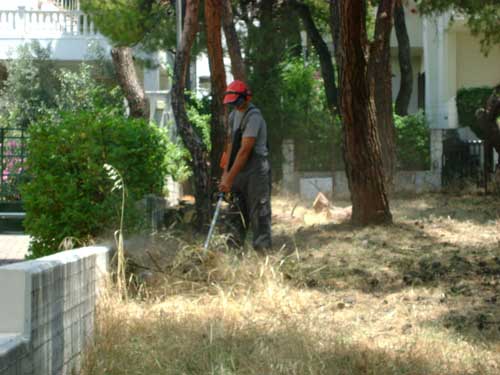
{"x": 216, "y": 345}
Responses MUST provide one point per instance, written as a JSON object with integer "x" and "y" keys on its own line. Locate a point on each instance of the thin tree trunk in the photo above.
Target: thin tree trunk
{"x": 405, "y": 67}
{"x": 335, "y": 31}
{"x": 361, "y": 143}
{"x": 129, "y": 82}
{"x": 325, "y": 58}
{"x": 233, "y": 44}
{"x": 191, "y": 140}
{"x": 218, "y": 134}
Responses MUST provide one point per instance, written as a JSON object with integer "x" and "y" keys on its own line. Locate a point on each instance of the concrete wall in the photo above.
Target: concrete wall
{"x": 311, "y": 183}
{"x": 47, "y": 311}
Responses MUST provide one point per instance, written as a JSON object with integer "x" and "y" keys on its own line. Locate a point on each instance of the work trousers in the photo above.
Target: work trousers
{"x": 250, "y": 206}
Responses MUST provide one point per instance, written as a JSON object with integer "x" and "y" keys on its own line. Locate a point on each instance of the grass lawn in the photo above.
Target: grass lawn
{"x": 419, "y": 297}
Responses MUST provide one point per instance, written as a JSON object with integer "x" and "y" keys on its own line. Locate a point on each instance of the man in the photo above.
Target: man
{"x": 247, "y": 169}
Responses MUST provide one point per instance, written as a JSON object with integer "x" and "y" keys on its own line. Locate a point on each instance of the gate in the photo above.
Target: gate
{"x": 463, "y": 161}
{"x": 12, "y": 174}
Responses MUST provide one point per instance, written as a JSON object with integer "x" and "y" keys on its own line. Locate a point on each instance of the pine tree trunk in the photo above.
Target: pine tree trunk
{"x": 218, "y": 134}
{"x": 233, "y": 44}
{"x": 406, "y": 69}
{"x": 129, "y": 82}
{"x": 362, "y": 147}
{"x": 190, "y": 138}
{"x": 382, "y": 75}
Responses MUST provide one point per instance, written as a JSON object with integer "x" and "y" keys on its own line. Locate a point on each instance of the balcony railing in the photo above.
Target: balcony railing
{"x": 67, "y": 4}
{"x": 45, "y": 24}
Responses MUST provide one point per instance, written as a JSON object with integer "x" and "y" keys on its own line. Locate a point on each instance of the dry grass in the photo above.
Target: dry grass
{"x": 419, "y": 297}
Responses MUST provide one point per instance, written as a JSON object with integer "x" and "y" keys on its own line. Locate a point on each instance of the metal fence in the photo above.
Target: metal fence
{"x": 12, "y": 162}
{"x": 463, "y": 161}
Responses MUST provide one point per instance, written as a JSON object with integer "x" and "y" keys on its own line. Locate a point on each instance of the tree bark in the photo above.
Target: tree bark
{"x": 233, "y": 43}
{"x": 362, "y": 147}
{"x": 190, "y": 138}
{"x": 129, "y": 82}
{"x": 381, "y": 73}
{"x": 218, "y": 134}
{"x": 405, "y": 66}
{"x": 325, "y": 58}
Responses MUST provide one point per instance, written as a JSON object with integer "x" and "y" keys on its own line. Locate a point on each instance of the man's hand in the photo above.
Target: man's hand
{"x": 226, "y": 183}
{"x": 227, "y": 179}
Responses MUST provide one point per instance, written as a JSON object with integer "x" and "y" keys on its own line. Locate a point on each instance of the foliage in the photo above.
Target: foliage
{"x": 199, "y": 115}
{"x": 34, "y": 87}
{"x": 483, "y": 17}
{"x": 469, "y": 100}
{"x": 80, "y": 91}
{"x": 130, "y": 22}
{"x": 178, "y": 158}
{"x": 31, "y": 85}
{"x": 68, "y": 192}
{"x": 307, "y": 118}
{"x": 12, "y": 171}
{"x": 412, "y": 142}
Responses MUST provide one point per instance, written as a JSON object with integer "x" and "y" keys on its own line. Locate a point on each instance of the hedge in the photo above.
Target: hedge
{"x": 469, "y": 100}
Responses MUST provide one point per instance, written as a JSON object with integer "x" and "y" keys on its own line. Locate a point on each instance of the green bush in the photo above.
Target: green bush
{"x": 69, "y": 193}
{"x": 469, "y": 100}
{"x": 412, "y": 142}
{"x": 306, "y": 117}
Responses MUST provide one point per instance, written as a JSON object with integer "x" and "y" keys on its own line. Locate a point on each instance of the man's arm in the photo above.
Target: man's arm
{"x": 247, "y": 144}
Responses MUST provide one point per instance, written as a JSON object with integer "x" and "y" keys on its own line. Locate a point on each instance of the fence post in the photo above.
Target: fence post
{"x": 437, "y": 156}
{"x": 288, "y": 167}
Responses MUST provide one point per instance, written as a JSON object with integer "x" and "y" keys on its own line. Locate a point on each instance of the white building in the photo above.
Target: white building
{"x": 445, "y": 58}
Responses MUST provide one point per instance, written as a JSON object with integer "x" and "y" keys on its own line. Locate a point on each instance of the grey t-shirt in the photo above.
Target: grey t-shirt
{"x": 255, "y": 127}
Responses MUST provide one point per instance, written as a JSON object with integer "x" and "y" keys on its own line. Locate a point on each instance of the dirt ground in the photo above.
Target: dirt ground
{"x": 421, "y": 296}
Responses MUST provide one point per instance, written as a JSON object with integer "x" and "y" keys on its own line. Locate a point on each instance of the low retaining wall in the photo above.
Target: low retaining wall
{"x": 310, "y": 183}
{"x": 47, "y": 309}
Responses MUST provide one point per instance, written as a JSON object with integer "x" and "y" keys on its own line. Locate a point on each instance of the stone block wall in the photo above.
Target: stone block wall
{"x": 47, "y": 310}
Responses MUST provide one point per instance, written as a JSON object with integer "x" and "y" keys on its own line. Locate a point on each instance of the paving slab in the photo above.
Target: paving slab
{"x": 13, "y": 247}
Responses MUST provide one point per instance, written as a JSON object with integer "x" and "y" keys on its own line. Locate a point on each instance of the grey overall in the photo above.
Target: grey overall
{"x": 252, "y": 194}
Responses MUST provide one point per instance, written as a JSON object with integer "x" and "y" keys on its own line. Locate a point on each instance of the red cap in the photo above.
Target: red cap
{"x": 235, "y": 90}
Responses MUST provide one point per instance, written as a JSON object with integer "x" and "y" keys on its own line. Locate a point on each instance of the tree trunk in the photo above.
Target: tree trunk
{"x": 233, "y": 44}
{"x": 382, "y": 76}
{"x": 190, "y": 138}
{"x": 405, "y": 67}
{"x": 335, "y": 31}
{"x": 129, "y": 82}
{"x": 487, "y": 119}
{"x": 325, "y": 58}
{"x": 218, "y": 134}
{"x": 362, "y": 147}
{"x": 381, "y": 73}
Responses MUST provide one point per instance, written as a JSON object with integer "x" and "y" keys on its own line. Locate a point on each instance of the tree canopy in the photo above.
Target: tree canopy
{"x": 130, "y": 22}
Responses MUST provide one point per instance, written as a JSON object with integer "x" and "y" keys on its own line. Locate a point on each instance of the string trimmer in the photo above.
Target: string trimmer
{"x": 220, "y": 199}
